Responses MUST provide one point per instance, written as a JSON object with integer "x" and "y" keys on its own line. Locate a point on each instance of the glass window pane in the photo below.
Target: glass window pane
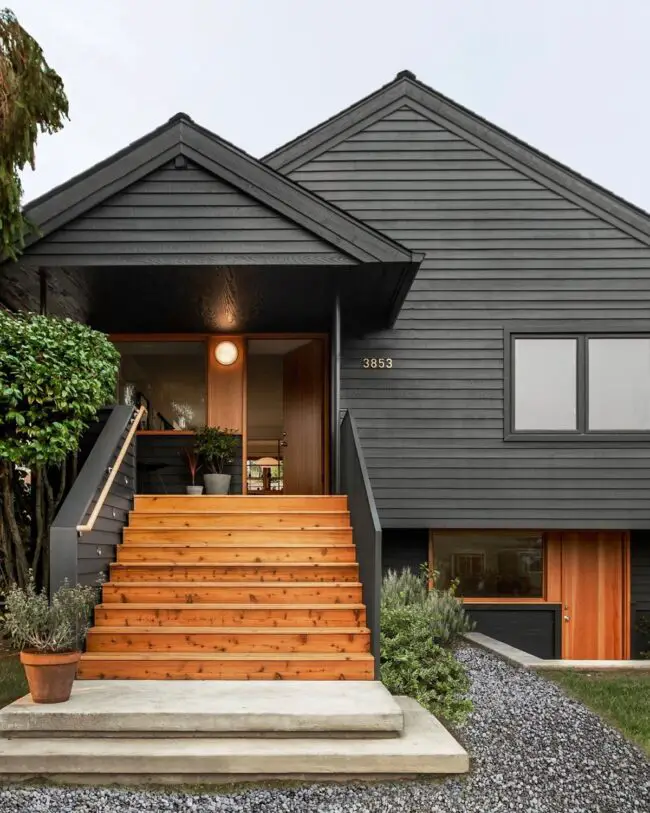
{"x": 545, "y": 384}
{"x": 491, "y": 565}
{"x": 168, "y": 378}
{"x": 619, "y": 384}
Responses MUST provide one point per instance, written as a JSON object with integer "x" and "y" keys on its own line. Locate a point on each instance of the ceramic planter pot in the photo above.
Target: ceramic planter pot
{"x": 194, "y": 490}
{"x": 50, "y": 675}
{"x": 216, "y": 483}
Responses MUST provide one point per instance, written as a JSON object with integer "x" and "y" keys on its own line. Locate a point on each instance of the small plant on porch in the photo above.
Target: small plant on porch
{"x": 192, "y": 459}
{"x": 217, "y": 448}
{"x": 55, "y": 375}
{"x": 50, "y": 635}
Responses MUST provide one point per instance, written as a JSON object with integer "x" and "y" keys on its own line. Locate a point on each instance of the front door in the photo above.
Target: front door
{"x": 593, "y": 579}
{"x": 304, "y": 414}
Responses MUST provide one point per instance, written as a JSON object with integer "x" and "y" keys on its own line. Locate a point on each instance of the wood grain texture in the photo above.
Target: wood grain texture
{"x": 180, "y": 502}
{"x": 216, "y": 554}
{"x": 226, "y": 386}
{"x": 238, "y": 519}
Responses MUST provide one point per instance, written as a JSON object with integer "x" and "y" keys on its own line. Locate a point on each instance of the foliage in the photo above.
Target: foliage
{"x": 442, "y": 609}
{"x": 55, "y": 374}
{"x": 33, "y": 622}
{"x": 217, "y": 447}
{"x": 13, "y": 683}
{"x": 414, "y": 665}
{"x": 192, "y": 459}
{"x": 32, "y": 101}
{"x": 418, "y": 627}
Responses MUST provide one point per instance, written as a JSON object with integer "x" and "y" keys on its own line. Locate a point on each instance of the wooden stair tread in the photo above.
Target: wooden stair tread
{"x": 228, "y": 656}
{"x": 227, "y": 606}
{"x": 220, "y": 512}
{"x": 231, "y": 630}
{"x": 243, "y": 565}
{"x": 226, "y": 528}
{"x": 243, "y": 584}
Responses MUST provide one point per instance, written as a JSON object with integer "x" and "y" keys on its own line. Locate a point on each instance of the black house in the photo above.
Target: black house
{"x": 480, "y": 312}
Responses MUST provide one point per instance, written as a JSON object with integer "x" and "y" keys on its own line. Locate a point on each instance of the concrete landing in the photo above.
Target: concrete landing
{"x": 424, "y": 747}
{"x": 210, "y": 707}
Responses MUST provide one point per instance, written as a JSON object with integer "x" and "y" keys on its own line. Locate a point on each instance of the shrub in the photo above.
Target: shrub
{"x": 418, "y": 628}
{"x": 414, "y": 665}
{"x": 217, "y": 447}
{"x": 32, "y": 622}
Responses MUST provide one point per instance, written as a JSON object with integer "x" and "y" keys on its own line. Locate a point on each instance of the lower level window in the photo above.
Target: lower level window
{"x": 490, "y": 565}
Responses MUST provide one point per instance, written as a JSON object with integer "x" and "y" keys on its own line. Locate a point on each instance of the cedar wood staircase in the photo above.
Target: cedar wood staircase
{"x": 232, "y": 588}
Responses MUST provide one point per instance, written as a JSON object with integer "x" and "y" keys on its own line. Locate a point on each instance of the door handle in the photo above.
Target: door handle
{"x": 567, "y": 618}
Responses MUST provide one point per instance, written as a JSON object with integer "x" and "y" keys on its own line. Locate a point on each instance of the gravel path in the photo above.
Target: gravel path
{"x": 533, "y": 750}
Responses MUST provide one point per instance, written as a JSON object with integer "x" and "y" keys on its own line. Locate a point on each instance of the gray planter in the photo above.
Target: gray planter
{"x": 194, "y": 490}
{"x": 216, "y": 483}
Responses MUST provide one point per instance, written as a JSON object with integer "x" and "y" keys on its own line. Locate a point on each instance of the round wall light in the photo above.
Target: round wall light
{"x": 226, "y": 353}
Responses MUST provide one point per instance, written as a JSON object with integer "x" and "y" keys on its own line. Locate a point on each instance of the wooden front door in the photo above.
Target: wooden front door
{"x": 593, "y": 595}
{"x": 304, "y": 416}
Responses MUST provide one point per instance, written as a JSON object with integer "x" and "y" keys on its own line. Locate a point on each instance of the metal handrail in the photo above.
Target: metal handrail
{"x": 113, "y": 473}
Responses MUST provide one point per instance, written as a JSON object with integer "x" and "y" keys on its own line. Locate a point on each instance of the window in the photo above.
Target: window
{"x": 545, "y": 384}
{"x": 578, "y": 386}
{"x": 491, "y": 565}
{"x": 169, "y": 378}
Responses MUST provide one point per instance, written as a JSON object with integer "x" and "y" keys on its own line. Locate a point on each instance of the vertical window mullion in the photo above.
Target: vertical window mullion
{"x": 582, "y": 384}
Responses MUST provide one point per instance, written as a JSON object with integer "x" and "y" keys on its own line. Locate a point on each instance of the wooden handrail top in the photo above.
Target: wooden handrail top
{"x": 88, "y": 526}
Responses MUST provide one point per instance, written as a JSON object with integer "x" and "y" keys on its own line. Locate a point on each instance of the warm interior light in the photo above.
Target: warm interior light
{"x": 226, "y": 353}
{"x": 266, "y": 461}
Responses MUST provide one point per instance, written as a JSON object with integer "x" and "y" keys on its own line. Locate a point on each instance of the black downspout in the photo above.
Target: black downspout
{"x": 335, "y": 398}
{"x": 42, "y": 274}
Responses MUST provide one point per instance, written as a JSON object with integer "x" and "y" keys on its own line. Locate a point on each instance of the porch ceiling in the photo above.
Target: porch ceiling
{"x": 173, "y": 299}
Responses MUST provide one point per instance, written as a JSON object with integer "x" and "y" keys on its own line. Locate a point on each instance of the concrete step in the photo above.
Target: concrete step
{"x": 240, "y": 519}
{"x": 142, "y": 708}
{"x": 160, "y": 592}
{"x": 230, "y": 615}
{"x": 235, "y": 572}
{"x": 227, "y": 639}
{"x": 225, "y": 666}
{"x": 425, "y": 747}
{"x": 213, "y": 553}
{"x": 168, "y": 503}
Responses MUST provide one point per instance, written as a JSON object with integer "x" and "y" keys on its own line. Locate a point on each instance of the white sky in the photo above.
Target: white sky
{"x": 568, "y": 76}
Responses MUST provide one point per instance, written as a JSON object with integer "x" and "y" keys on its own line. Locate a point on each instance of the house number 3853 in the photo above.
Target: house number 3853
{"x": 377, "y": 363}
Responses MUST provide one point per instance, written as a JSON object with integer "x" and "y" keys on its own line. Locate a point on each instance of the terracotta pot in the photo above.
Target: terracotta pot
{"x": 50, "y": 675}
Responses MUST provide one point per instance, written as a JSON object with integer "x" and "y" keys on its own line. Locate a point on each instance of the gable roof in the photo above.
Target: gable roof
{"x": 180, "y": 136}
{"x": 406, "y": 88}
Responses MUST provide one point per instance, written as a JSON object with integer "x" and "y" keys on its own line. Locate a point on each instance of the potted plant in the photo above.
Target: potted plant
{"x": 192, "y": 459}
{"x": 49, "y": 634}
{"x": 217, "y": 448}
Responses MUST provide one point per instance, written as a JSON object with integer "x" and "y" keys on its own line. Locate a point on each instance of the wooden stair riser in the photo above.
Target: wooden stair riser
{"x": 168, "y": 503}
{"x": 198, "y": 615}
{"x": 191, "y": 573}
{"x": 277, "y": 641}
{"x": 239, "y": 536}
{"x": 259, "y": 668}
{"x": 241, "y": 519}
{"x": 215, "y": 554}
{"x": 252, "y": 593}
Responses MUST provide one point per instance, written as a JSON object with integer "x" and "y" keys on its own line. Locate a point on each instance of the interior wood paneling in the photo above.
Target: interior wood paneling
{"x": 226, "y": 387}
{"x": 304, "y": 419}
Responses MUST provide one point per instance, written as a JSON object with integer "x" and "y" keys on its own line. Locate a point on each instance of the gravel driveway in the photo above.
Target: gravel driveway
{"x": 533, "y": 750}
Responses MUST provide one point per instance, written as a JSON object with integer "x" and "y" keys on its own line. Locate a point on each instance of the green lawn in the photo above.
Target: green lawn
{"x": 12, "y": 679}
{"x": 622, "y": 699}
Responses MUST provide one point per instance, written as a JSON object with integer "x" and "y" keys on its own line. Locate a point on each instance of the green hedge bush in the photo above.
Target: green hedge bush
{"x": 419, "y": 627}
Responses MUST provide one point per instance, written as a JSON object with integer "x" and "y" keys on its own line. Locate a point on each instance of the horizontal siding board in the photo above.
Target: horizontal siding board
{"x": 499, "y": 246}
{"x": 181, "y": 212}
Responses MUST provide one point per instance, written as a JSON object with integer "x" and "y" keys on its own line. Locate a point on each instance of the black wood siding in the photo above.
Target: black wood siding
{"x": 534, "y": 628}
{"x": 162, "y": 468}
{"x": 640, "y": 591}
{"x": 499, "y": 246}
{"x": 183, "y": 215}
